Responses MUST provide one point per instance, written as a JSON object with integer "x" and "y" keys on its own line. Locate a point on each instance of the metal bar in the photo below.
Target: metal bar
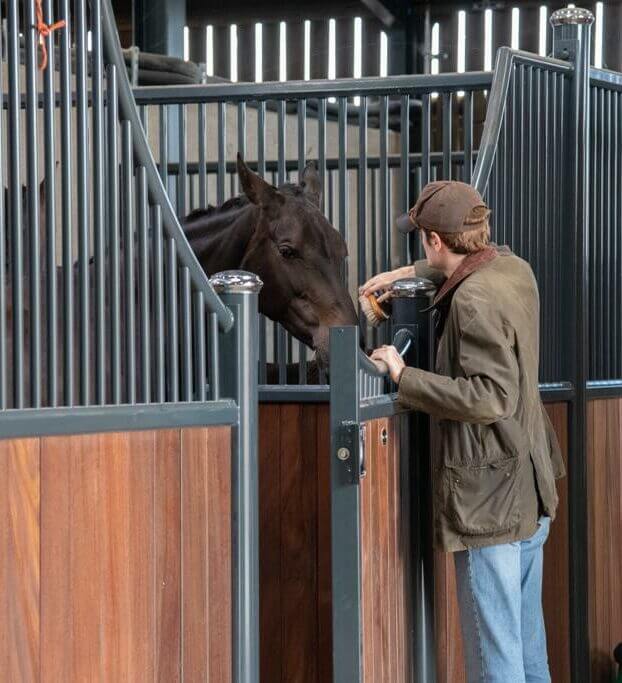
{"x": 222, "y": 150}
{"x": 142, "y": 202}
{"x": 82, "y": 135}
{"x": 4, "y": 232}
{"x": 113, "y": 227}
{"x": 97, "y": 81}
{"x": 261, "y": 139}
{"x": 302, "y": 150}
{"x": 15, "y": 203}
{"x": 281, "y": 341}
{"x": 97, "y": 419}
{"x": 447, "y": 137}
{"x": 186, "y": 327}
{"x": 202, "y": 133}
{"x": 383, "y": 187}
{"x": 182, "y": 188}
{"x": 172, "y": 319}
{"x": 33, "y": 207}
{"x": 164, "y": 144}
{"x": 321, "y": 115}
{"x": 128, "y": 261}
{"x": 407, "y": 254}
{"x": 214, "y": 358}
{"x": 468, "y": 136}
{"x": 200, "y": 349}
{"x": 361, "y": 243}
{"x": 159, "y": 311}
{"x": 242, "y": 129}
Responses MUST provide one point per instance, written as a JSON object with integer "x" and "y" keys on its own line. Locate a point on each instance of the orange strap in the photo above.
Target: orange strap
{"x": 44, "y": 31}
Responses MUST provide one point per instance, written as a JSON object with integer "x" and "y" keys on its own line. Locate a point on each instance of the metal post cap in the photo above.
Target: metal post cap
{"x": 571, "y": 15}
{"x": 236, "y": 281}
{"x": 411, "y": 287}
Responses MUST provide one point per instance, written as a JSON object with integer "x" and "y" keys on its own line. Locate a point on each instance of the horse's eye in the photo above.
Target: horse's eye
{"x": 287, "y": 252}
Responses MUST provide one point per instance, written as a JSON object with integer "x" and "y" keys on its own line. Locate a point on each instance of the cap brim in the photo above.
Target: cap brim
{"x": 404, "y": 224}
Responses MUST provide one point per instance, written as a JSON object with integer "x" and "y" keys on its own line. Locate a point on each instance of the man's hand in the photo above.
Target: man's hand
{"x": 383, "y": 281}
{"x": 387, "y": 358}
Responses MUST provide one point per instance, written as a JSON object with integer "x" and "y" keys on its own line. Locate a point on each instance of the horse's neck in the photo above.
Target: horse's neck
{"x": 220, "y": 241}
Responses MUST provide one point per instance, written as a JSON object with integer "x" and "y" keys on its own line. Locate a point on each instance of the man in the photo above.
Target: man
{"x": 496, "y": 455}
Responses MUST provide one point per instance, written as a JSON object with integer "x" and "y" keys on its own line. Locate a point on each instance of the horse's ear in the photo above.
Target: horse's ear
{"x": 258, "y": 190}
{"x": 311, "y": 184}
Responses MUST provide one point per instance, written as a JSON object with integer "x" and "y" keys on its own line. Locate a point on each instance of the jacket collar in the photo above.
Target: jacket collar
{"x": 468, "y": 266}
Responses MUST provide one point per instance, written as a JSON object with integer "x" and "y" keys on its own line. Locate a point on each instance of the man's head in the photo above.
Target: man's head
{"x": 452, "y": 219}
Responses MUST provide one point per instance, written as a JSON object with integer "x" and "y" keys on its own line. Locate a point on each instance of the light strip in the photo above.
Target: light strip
{"x": 384, "y": 54}
{"x": 258, "y": 52}
{"x": 186, "y": 44}
{"x": 515, "y": 27}
{"x": 307, "y": 50}
{"x": 461, "y": 60}
{"x": 209, "y": 50}
{"x": 357, "y": 57}
{"x": 544, "y": 26}
{"x": 488, "y": 40}
{"x": 233, "y": 54}
{"x": 282, "y": 51}
{"x": 598, "y": 36}
{"x": 436, "y": 30}
{"x": 332, "y": 56}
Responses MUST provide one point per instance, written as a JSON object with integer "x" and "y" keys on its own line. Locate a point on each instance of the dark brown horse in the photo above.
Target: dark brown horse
{"x": 281, "y": 235}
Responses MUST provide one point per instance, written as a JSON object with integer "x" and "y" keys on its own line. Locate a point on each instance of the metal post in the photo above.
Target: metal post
{"x": 411, "y": 298}
{"x": 571, "y": 41}
{"x": 239, "y": 360}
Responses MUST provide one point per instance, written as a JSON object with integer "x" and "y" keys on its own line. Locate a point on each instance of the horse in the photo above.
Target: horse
{"x": 281, "y": 235}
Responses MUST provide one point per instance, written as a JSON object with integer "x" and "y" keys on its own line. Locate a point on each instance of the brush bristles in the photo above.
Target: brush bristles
{"x": 372, "y": 310}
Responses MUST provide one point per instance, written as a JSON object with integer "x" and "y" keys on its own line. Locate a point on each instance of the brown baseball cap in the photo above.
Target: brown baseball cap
{"x": 446, "y": 206}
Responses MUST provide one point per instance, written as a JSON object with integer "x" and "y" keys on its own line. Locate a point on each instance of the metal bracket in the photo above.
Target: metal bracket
{"x": 565, "y": 49}
{"x": 350, "y": 449}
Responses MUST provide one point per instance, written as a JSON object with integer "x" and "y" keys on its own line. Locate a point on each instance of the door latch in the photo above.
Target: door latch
{"x": 351, "y": 449}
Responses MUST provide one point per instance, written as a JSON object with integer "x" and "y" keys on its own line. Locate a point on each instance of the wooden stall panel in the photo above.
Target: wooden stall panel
{"x": 605, "y": 532}
{"x": 102, "y": 554}
{"x": 385, "y": 541}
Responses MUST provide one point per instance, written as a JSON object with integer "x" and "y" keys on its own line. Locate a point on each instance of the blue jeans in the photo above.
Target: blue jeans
{"x": 500, "y": 597}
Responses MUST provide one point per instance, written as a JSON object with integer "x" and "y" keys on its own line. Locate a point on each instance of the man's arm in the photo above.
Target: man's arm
{"x": 489, "y": 390}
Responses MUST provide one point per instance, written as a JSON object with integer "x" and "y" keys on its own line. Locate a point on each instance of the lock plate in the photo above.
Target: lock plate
{"x": 350, "y": 450}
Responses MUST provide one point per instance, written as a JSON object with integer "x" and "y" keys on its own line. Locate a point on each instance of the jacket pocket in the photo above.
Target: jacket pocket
{"x": 484, "y": 499}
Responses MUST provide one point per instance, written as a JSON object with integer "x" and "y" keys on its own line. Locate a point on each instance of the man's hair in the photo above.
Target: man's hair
{"x": 467, "y": 242}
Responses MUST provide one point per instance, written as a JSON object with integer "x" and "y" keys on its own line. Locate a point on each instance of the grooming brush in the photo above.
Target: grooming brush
{"x": 373, "y": 311}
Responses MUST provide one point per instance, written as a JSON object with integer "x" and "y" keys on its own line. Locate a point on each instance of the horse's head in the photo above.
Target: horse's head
{"x": 299, "y": 256}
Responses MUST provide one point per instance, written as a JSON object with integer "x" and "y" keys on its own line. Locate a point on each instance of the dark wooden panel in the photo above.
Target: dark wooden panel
{"x": 385, "y": 550}
{"x": 19, "y": 560}
{"x": 605, "y": 531}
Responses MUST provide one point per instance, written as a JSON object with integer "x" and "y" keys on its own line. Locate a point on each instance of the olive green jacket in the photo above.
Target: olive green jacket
{"x": 494, "y": 446}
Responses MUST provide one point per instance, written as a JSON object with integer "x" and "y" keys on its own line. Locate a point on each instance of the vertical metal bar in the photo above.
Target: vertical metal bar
{"x": 447, "y": 141}
{"x": 242, "y": 129}
{"x": 599, "y": 273}
{"x": 83, "y": 206}
{"x": 239, "y": 381}
{"x": 98, "y": 200}
{"x": 616, "y": 342}
{"x": 222, "y": 148}
{"x": 4, "y": 232}
{"x": 281, "y": 344}
{"x": 200, "y": 350}
{"x": 172, "y": 319}
{"x": 182, "y": 178}
{"x": 385, "y": 222}
{"x": 609, "y": 285}
{"x": 576, "y": 220}
{"x": 516, "y": 126}
{"x": 33, "y": 206}
{"x": 406, "y": 246}
{"x": 158, "y": 298}
{"x": 128, "y": 259}
{"x": 164, "y": 144}
{"x": 202, "y": 133}
{"x": 343, "y": 176}
{"x": 186, "y": 327}
{"x": 261, "y": 170}
{"x": 113, "y": 227}
{"x": 321, "y": 116}
{"x": 302, "y": 150}
{"x": 15, "y": 202}
{"x": 425, "y": 140}
{"x": 214, "y": 357}
{"x": 142, "y": 201}
{"x": 468, "y": 135}
{"x": 361, "y": 243}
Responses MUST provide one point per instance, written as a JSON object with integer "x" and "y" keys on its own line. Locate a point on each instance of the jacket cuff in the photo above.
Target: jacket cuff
{"x": 406, "y": 389}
